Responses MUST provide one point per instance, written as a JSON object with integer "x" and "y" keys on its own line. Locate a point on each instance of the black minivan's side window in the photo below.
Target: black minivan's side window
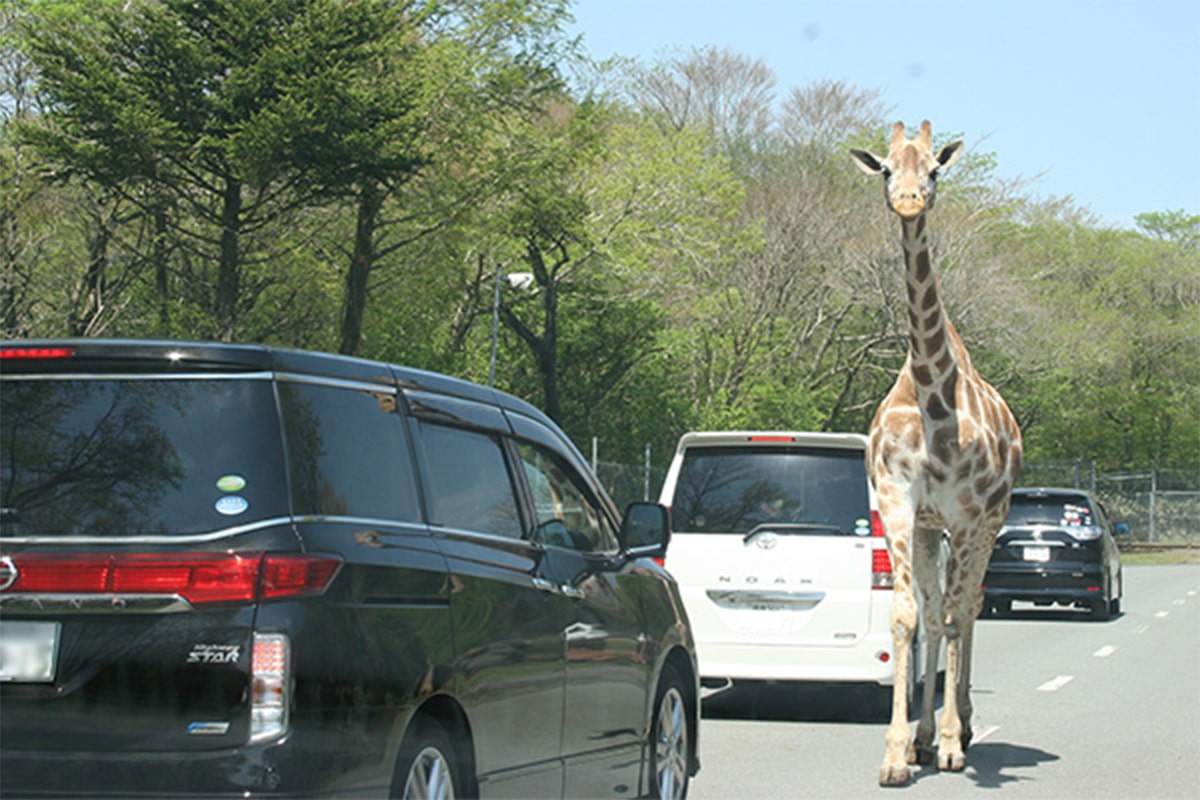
{"x": 468, "y": 486}
{"x": 566, "y": 516}
{"x": 348, "y": 453}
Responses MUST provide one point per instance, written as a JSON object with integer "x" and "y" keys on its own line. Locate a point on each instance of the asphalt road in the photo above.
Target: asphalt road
{"x": 1064, "y": 708}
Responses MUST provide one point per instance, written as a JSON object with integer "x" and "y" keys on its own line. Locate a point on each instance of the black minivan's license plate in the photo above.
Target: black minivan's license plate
{"x": 28, "y": 651}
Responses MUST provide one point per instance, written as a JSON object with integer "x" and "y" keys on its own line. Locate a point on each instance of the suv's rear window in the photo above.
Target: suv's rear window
{"x": 1057, "y": 509}
{"x": 735, "y": 489}
{"x": 134, "y": 457}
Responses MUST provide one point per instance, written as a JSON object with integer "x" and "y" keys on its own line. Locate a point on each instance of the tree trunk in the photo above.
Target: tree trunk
{"x": 88, "y": 302}
{"x": 161, "y": 250}
{"x": 229, "y": 269}
{"x": 354, "y": 307}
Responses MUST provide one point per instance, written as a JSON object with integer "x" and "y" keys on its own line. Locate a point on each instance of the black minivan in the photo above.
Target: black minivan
{"x": 241, "y": 570}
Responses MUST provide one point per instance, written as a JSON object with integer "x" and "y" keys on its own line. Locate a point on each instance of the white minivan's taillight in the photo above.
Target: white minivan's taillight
{"x": 881, "y": 562}
{"x": 270, "y": 668}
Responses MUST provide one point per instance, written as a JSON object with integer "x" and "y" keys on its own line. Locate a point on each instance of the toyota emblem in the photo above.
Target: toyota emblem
{"x": 766, "y": 541}
{"x": 8, "y": 573}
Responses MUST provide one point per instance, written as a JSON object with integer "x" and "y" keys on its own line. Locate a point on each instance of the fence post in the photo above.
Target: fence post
{"x": 1153, "y": 499}
{"x": 646, "y": 476}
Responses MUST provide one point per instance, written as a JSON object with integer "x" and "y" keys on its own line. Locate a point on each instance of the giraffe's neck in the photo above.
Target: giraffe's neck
{"x": 933, "y": 357}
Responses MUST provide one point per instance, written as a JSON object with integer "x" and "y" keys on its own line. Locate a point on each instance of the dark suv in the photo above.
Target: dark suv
{"x": 1056, "y": 547}
{"x": 238, "y": 570}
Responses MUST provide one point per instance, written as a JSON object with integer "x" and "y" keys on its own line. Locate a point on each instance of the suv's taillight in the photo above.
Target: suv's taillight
{"x": 199, "y": 578}
{"x": 881, "y": 562}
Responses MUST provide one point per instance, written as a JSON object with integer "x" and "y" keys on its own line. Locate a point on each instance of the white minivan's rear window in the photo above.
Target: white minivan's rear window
{"x": 822, "y": 491}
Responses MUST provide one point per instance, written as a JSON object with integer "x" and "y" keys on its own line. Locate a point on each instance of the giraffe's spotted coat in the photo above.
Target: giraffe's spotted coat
{"x": 944, "y": 455}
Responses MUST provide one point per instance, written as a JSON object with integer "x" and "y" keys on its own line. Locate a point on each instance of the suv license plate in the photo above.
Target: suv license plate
{"x": 1037, "y": 553}
{"x": 28, "y": 651}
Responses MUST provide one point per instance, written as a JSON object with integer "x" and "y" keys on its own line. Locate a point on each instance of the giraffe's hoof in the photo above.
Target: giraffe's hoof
{"x": 921, "y": 754}
{"x": 893, "y": 775}
{"x": 952, "y": 762}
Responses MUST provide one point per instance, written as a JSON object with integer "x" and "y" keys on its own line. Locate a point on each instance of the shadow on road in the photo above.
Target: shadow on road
{"x": 988, "y": 763}
{"x": 799, "y": 702}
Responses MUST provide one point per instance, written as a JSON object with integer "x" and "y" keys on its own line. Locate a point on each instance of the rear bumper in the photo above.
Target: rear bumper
{"x": 275, "y": 771}
{"x": 857, "y": 663}
{"x": 1077, "y": 584}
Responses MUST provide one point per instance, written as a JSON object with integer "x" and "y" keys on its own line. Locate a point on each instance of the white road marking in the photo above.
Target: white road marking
{"x": 1162, "y": 614}
{"x": 1142, "y": 629}
{"x": 1105, "y": 652}
{"x": 988, "y": 731}
{"x": 1056, "y": 684}
{"x": 1178, "y": 602}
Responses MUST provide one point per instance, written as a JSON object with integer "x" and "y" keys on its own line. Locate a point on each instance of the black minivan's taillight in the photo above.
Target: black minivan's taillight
{"x": 199, "y": 578}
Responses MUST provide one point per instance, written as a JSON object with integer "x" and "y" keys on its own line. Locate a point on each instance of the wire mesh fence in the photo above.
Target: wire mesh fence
{"x": 1161, "y": 506}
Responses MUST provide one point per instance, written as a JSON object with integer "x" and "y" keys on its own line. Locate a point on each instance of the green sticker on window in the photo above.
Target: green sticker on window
{"x": 231, "y": 483}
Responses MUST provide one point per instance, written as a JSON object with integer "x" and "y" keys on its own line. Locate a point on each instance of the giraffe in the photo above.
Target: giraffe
{"x": 944, "y": 454}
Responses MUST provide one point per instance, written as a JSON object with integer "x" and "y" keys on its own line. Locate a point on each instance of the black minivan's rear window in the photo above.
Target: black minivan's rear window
{"x": 137, "y": 457}
{"x": 735, "y": 489}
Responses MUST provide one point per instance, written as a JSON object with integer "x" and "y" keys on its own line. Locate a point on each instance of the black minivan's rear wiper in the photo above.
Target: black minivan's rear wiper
{"x": 791, "y": 527}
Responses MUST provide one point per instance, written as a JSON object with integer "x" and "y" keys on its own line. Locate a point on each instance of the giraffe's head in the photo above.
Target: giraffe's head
{"x": 910, "y": 169}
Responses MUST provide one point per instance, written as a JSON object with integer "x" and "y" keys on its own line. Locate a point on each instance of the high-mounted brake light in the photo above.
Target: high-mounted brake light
{"x": 772, "y": 438}
{"x": 199, "y": 578}
{"x": 31, "y": 353}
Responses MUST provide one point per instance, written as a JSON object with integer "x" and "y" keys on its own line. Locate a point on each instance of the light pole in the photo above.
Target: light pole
{"x": 521, "y": 281}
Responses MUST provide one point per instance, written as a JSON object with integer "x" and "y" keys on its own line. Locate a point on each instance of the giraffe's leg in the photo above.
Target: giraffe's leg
{"x": 958, "y": 598}
{"x": 927, "y": 544}
{"x": 965, "y": 708}
{"x": 975, "y": 593}
{"x": 894, "y": 770}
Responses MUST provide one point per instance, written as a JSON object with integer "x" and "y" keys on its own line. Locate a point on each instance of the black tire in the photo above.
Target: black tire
{"x": 1100, "y": 610}
{"x": 670, "y": 738}
{"x": 427, "y": 768}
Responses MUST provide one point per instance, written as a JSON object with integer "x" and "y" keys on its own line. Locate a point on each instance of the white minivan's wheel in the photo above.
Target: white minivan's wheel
{"x": 426, "y": 769}
{"x": 669, "y": 738}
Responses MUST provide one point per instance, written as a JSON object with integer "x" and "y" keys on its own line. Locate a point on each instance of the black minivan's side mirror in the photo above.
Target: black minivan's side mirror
{"x": 646, "y": 530}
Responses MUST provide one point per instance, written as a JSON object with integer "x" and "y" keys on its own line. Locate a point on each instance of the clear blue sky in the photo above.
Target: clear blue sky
{"x": 1103, "y": 96}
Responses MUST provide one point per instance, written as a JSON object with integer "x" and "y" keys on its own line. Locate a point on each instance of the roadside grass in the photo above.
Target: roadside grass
{"x": 1162, "y": 555}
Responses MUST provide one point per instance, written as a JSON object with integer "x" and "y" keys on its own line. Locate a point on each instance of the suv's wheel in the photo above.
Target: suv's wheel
{"x": 427, "y": 768}
{"x": 1100, "y": 610}
{"x": 669, "y": 738}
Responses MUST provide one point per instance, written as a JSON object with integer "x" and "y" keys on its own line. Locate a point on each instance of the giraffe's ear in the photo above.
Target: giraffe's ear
{"x": 949, "y": 154}
{"x": 868, "y": 163}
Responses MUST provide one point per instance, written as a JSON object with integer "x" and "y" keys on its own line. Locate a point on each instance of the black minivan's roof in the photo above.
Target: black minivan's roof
{"x": 166, "y": 356}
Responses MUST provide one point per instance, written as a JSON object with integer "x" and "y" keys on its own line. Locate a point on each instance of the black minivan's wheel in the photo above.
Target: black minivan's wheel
{"x": 426, "y": 769}
{"x": 670, "y": 739}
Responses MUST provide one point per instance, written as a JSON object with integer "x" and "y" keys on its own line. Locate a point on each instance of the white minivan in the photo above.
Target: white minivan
{"x": 779, "y": 553}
